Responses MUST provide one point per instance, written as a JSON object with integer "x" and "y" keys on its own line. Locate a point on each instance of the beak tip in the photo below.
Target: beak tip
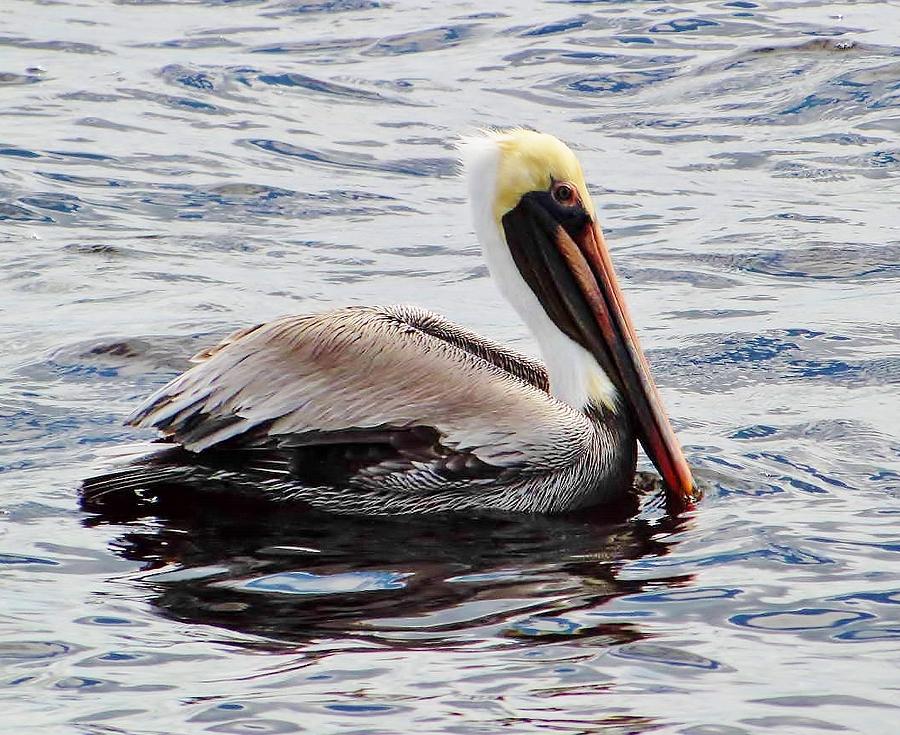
{"x": 681, "y": 490}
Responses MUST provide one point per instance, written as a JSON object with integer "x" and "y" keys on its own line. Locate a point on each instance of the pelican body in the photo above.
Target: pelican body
{"x": 384, "y": 410}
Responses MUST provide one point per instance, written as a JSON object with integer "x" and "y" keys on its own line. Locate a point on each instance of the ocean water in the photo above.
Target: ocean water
{"x": 170, "y": 171}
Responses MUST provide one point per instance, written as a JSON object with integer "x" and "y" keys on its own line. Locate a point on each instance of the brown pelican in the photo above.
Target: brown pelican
{"x": 393, "y": 409}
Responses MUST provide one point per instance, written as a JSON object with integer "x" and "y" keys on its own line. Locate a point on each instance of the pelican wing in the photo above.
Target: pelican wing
{"x": 406, "y": 388}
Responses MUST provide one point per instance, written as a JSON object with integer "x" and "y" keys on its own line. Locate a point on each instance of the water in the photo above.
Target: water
{"x": 169, "y": 172}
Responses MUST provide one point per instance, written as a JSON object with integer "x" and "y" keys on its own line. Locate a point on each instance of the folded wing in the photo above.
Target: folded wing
{"x": 379, "y": 392}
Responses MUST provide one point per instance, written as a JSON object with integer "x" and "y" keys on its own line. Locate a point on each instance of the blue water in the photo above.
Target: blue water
{"x": 171, "y": 171}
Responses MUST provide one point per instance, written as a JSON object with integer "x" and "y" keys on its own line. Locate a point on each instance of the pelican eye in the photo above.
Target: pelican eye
{"x": 564, "y": 194}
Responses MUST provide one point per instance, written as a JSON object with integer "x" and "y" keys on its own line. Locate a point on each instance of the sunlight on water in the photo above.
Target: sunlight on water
{"x": 171, "y": 171}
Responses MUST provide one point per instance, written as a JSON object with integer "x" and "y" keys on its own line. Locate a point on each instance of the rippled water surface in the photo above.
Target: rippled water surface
{"x": 170, "y": 171}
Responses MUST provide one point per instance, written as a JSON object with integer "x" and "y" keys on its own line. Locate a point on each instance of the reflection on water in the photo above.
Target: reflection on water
{"x": 399, "y": 582}
{"x": 171, "y": 171}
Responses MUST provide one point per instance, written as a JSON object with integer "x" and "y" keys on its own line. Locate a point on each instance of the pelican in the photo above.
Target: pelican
{"x": 394, "y": 409}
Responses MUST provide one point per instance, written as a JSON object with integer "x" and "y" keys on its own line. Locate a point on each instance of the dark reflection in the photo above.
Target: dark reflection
{"x": 293, "y": 575}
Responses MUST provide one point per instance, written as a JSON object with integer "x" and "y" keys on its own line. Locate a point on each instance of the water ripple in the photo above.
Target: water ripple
{"x": 422, "y": 41}
{"x": 306, "y": 583}
{"x": 802, "y": 619}
{"x": 366, "y": 162}
{"x": 172, "y": 171}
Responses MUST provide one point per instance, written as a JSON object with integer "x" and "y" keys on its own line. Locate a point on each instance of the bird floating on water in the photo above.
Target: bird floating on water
{"x": 390, "y": 410}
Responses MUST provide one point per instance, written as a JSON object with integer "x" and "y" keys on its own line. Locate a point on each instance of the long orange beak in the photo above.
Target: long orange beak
{"x": 592, "y": 267}
{"x": 567, "y": 263}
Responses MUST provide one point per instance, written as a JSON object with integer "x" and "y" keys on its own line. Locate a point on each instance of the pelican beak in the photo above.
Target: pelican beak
{"x": 561, "y": 253}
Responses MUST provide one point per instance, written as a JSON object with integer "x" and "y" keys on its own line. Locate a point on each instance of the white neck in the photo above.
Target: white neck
{"x": 575, "y": 376}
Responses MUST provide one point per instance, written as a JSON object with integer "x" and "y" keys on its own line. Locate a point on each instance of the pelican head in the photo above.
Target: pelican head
{"x": 545, "y": 250}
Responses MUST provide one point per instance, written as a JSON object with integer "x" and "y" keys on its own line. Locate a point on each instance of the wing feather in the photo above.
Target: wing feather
{"x": 369, "y": 369}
